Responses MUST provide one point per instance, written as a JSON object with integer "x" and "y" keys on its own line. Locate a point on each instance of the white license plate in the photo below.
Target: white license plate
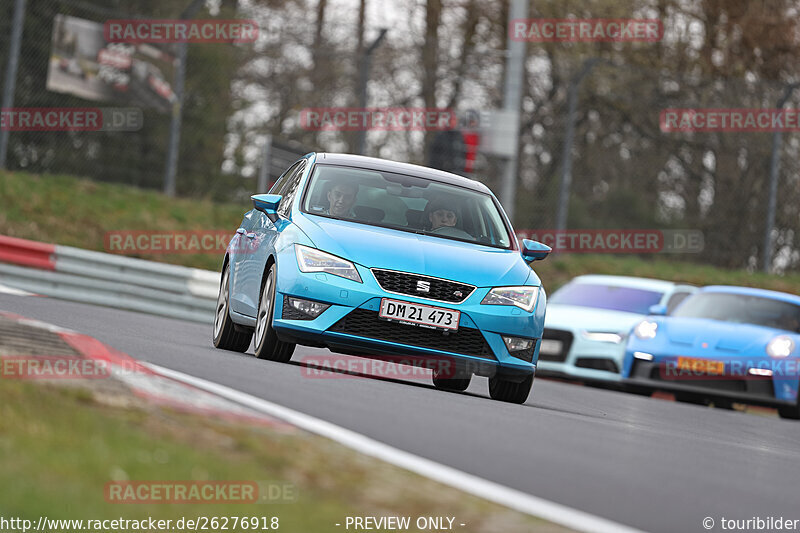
{"x": 550, "y": 347}
{"x": 419, "y": 315}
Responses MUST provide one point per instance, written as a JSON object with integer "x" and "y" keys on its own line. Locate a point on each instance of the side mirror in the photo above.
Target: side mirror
{"x": 267, "y": 204}
{"x": 534, "y": 250}
{"x": 658, "y": 309}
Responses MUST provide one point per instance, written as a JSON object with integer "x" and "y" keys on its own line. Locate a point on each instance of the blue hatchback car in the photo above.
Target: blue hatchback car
{"x": 383, "y": 259}
{"x": 722, "y": 344}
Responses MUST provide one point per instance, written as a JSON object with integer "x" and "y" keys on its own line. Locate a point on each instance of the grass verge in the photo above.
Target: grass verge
{"x": 61, "y": 445}
{"x": 78, "y": 212}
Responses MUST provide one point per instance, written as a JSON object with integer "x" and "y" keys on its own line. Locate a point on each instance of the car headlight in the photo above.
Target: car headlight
{"x": 603, "y": 336}
{"x": 313, "y": 260}
{"x": 646, "y": 330}
{"x": 780, "y": 347}
{"x": 522, "y": 297}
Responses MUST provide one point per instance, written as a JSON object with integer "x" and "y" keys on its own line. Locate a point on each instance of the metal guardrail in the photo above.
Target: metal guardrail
{"x": 111, "y": 280}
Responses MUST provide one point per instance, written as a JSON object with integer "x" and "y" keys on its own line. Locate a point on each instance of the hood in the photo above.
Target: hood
{"x": 376, "y": 247}
{"x": 572, "y": 317}
{"x": 717, "y": 335}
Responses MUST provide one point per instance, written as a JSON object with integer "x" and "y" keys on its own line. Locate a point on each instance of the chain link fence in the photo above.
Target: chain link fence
{"x": 66, "y": 63}
{"x": 627, "y": 169}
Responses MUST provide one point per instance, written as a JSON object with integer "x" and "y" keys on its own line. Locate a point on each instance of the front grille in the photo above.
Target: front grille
{"x": 608, "y": 365}
{"x": 557, "y": 335}
{"x": 365, "y": 323}
{"x": 752, "y": 387}
{"x": 440, "y": 289}
{"x": 670, "y": 375}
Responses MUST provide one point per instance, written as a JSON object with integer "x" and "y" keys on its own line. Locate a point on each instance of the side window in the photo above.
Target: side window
{"x": 675, "y": 300}
{"x": 290, "y": 190}
{"x": 280, "y": 183}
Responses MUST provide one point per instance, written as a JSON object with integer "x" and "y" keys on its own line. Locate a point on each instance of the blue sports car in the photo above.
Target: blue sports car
{"x": 382, "y": 259}
{"x": 722, "y": 344}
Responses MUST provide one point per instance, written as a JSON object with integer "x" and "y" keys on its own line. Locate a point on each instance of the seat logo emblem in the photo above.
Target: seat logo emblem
{"x": 423, "y": 286}
{"x": 458, "y": 294}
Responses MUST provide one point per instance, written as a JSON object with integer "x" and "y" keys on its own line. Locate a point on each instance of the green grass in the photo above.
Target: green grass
{"x": 560, "y": 268}
{"x": 74, "y": 212}
{"x": 59, "y": 447}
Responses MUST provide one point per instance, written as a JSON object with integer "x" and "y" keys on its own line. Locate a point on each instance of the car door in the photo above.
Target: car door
{"x": 259, "y": 242}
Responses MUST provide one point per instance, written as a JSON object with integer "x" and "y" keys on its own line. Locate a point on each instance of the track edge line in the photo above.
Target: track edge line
{"x": 469, "y": 483}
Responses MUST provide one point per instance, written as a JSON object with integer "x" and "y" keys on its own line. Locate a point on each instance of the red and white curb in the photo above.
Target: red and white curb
{"x": 183, "y": 391}
{"x": 151, "y": 385}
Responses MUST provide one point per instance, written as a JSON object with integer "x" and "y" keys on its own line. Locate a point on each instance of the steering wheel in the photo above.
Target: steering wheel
{"x": 450, "y": 231}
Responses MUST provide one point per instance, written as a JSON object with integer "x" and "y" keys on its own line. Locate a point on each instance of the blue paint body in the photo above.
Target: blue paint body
{"x": 260, "y": 242}
{"x": 736, "y": 345}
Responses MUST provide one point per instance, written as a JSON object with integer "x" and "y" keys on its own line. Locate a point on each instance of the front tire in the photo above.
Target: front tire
{"x": 790, "y": 412}
{"x": 226, "y": 336}
{"x": 458, "y": 384}
{"x": 510, "y": 391}
{"x": 268, "y": 346}
{"x": 637, "y": 390}
{"x": 688, "y": 397}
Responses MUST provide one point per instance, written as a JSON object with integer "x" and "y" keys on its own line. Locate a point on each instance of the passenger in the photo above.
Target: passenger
{"x": 341, "y": 199}
{"x": 441, "y": 215}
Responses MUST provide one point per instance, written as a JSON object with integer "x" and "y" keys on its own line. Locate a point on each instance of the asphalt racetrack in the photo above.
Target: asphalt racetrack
{"x": 646, "y": 463}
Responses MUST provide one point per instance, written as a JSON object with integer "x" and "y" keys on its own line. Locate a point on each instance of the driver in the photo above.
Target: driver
{"x": 341, "y": 199}
{"x": 441, "y": 215}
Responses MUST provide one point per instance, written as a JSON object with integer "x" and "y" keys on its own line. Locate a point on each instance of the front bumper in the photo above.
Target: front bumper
{"x": 580, "y": 358}
{"x": 659, "y": 375}
{"x": 351, "y": 324}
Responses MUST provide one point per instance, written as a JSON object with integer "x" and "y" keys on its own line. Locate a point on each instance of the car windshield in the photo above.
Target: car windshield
{"x": 406, "y": 203}
{"x": 607, "y": 297}
{"x": 741, "y": 309}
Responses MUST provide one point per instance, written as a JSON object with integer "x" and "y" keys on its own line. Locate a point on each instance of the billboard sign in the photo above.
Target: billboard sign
{"x": 84, "y": 64}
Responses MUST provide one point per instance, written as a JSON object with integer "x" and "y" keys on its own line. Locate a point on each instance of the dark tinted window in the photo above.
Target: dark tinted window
{"x": 743, "y": 309}
{"x": 606, "y": 297}
{"x": 280, "y": 184}
{"x": 675, "y": 300}
{"x": 406, "y": 203}
{"x": 289, "y": 191}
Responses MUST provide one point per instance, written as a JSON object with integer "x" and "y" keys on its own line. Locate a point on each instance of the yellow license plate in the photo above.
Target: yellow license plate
{"x": 701, "y": 366}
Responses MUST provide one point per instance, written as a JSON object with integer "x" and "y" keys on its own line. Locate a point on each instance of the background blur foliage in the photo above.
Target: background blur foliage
{"x": 133, "y": 158}
{"x": 450, "y": 53}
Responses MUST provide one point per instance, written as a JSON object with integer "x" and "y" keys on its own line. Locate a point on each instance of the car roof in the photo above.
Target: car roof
{"x": 627, "y": 281}
{"x": 752, "y": 291}
{"x": 374, "y": 163}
